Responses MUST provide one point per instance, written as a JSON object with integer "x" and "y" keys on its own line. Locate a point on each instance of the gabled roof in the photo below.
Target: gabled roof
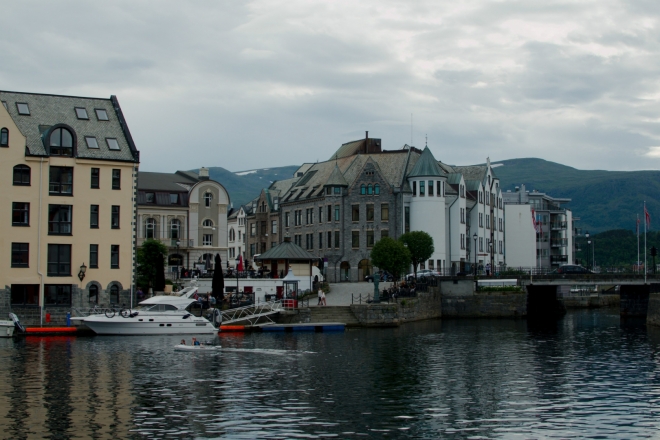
{"x": 427, "y": 166}
{"x": 287, "y": 250}
{"x": 336, "y": 178}
{"x": 454, "y": 178}
{"x": 47, "y": 111}
{"x": 173, "y": 182}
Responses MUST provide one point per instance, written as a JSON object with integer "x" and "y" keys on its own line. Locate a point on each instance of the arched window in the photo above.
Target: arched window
{"x": 377, "y": 189}
{"x": 175, "y": 229}
{"x": 4, "y": 137}
{"x": 208, "y": 197}
{"x": 22, "y": 175}
{"x": 93, "y": 294}
{"x": 232, "y": 234}
{"x": 370, "y": 189}
{"x": 150, "y": 228}
{"x": 114, "y": 294}
{"x": 363, "y": 189}
{"x": 61, "y": 142}
{"x": 207, "y": 223}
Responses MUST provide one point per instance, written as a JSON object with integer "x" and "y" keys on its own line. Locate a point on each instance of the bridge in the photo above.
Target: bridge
{"x": 252, "y": 313}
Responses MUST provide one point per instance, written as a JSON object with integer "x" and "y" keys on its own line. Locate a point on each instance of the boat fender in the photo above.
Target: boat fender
{"x": 17, "y": 323}
{"x": 186, "y": 316}
{"x": 217, "y": 317}
{"x": 133, "y": 315}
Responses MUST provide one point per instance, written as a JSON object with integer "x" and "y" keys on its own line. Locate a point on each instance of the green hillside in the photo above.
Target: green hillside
{"x": 603, "y": 200}
{"x": 616, "y": 248}
{"x": 245, "y": 186}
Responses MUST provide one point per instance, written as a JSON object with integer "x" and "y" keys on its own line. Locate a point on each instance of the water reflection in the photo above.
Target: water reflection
{"x": 586, "y": 375}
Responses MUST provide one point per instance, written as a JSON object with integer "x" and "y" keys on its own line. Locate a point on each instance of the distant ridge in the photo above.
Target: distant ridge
{"x": 603, "y": 200}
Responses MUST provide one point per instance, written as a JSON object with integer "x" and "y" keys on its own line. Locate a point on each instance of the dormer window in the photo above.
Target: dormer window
{"x": 150, "y": 197}
{"x": 101, "y": 114}
{"x": 91, "y": 142}
{"x": 61, "y": 142}
{"x": 174, "y": 199}
{"x": 112, "y": 143}
{"x": 81, "y": 113}
{"x": 23, "y": 108}
{"x": 337, "y": 190}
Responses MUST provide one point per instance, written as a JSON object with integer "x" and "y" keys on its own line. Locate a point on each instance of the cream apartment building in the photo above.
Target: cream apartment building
{"x": 69, "y": 166}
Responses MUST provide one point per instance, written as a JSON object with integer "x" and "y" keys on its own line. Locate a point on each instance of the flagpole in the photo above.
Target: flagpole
{"x": 645, "y": 227}
{"x": 637, "y": 265}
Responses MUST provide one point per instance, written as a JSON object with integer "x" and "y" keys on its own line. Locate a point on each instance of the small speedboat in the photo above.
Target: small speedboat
{"x": 6, "y": 329}
{"x": 198, "y": 348}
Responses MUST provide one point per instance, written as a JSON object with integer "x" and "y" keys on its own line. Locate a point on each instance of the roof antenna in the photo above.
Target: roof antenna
{"x": 427, "y": 140}
{"x": 411, "y": 129}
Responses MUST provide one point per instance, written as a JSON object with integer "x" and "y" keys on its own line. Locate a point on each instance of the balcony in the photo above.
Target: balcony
{"x": 559, "y": 242}
{"x": 171, "y": 242}
{"x": 558, "y": 259}
{"x": 558, "y": 225}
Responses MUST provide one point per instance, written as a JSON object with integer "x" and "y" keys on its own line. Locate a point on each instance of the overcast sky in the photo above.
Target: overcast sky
{"x": 258, "y": 84}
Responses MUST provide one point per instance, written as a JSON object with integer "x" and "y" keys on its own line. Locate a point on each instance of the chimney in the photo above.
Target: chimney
{"x": 203, "y": 173}
{"x": 366, "y": 142}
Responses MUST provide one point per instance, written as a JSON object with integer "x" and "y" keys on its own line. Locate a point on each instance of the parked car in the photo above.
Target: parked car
{"x": 383, "y": 274}
{"x": 422, "y": 273}
{"x": 571, "y": 269}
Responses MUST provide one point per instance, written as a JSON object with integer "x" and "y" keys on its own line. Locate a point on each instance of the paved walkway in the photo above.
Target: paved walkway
{"x": 340, "y": 293}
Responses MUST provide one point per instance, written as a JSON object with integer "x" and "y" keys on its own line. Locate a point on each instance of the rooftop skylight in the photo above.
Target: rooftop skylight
{"x": 23, "y": 108}
{"x": 91, "y": 142}
{"x": 101, "y": 114}
{"x": 81, "y": 113}
{"x": 112, "y": 143}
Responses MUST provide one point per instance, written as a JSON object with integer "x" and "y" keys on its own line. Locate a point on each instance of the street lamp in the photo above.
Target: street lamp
{"x": 81, "y": 274}
{"x": 490, "y": 248}
{"x": 178, "y": 258}
{"x": 586, "y": 235}
{"x": 475, "y": 236}
{"x": 237, "y": 262}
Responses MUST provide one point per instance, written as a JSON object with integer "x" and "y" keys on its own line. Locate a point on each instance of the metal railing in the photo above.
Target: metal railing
{"x": 252, "y": 313}
{"x": 170, "y": 242}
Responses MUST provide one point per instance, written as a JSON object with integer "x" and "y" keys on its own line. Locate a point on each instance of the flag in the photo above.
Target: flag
{"x": 637, "y": 224}
{"x": 534, "y": 222}
{"x": 647, "y": 216}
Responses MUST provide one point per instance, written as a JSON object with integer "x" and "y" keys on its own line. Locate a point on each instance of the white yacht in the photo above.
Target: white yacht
{"x": 158, "y": 315}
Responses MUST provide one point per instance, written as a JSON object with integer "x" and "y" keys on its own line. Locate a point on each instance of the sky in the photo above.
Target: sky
{"x": 266, "y": 83}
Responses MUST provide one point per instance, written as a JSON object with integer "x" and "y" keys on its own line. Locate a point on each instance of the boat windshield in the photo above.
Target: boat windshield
{"x": 156, "y": 308}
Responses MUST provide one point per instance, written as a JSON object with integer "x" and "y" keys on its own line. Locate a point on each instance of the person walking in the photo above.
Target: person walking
{"x": 488, "y": 269}
{"x": 320, "y": 297}
{"x": 323, "y": 303}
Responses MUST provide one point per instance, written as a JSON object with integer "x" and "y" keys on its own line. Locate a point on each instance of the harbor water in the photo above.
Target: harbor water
{"x": 589, "y": 376}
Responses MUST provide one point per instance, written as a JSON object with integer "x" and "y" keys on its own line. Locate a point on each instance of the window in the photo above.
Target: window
{"x": 329, "y": 213}
{"x": 150, "y": 197}
{"x": 94, "y": 216}
{"x": 81, "y": 113}
{"x": 114, "y": 256}
{"x": 91, "y": 142}
{"x": 61, "y": 181}
{"x": 4, "y": 137}
{"x": 287, "y": 219}
{"x": 363, "y": 189}
{"x": 337, "y": 190}
{"x": 114, "y": 217}
{"x": 150, "y": 228}
{"x": 101, "y": 114}
{"x": 309, "y": 216}
{"x": 59, "y": 260}
{"x": 320, "y": 240}
{"x": 384, "y": 233}
{"x": 337, "y": 239}
{"x": 232, "y": 235}
{"x": 23, "y": 108}
{"x": 116, "y": 179}
{"x": 336, "y": 213}
{"x": 25, "y": 294}
{"x": 370, "y": 189}
{"x": 329, "y": 242}
{"x": 208, "y": 197}
{"x": 422, "y": 189}
{"x": 61, "y": 142}
{"x": 273, "y": 226}
{"x": 481, "y": 220}
{"x": 263, "y": 228}
{"x": 114, "y": 294}
{"x": 112, "y": 143}
{"x": 59, "y": 219}
{"x": 406, "y": 218}
{"x": 20, "y": 214}
{"x": 320, "y": 214}
{"x": 96, "y": 178}
{"x": 370, "y": 212}
{"x": 438, "y": 191}
{"x": 207, "y": 239}
{"x": 20, "y": 255}
{"x": 93, "y": 256}
{"x": 430, "y": 188}
{"x": 93, "y": 294}
{"x": 174, "y": 199}
{"x": 355, "y": 239}
{"x": 253, "y": 229}
{"x": 175, "y": 229}
{"x": 370, "y": 238}
{"x": 481, "y": 244}
{"x": 414, "y": 188}
{"x": 21, "y": 175}
{"x": 384, "y": 212}
{"x": 377, "y": 189}
{"x": 355, "y": 213}
{"x": 298, "y": 217}
{"x": 57, "y": 294}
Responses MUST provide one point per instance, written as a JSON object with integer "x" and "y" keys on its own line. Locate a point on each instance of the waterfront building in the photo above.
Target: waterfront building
{"x": 236, "y": 235}
{"x": 70, "y": 167}
{"x": 338, "y": 209}
{"x": 539, "y": 230}
{"x": 187, "y": 212}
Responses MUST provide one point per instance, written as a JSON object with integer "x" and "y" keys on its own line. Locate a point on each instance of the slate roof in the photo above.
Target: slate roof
{"x": 49, "y": 110}
{"x": 454, "y": 178}
{"x": 336, "y": 178}
{"x": 473, "y": 172}
{"x": 287, "y": 250}
{"x": 173, "y": 182}
{"x": 427, "y": 166}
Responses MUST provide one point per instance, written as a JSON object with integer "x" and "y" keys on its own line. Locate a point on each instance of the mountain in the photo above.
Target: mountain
{"x": 603, "y": 200}
{"x": 243, "y": 186}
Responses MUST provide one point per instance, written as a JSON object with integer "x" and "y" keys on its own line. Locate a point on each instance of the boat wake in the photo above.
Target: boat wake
{"x": 268, "y": 351}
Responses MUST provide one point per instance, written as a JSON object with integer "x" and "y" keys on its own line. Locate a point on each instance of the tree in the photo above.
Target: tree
{"x": 149, "y": 262}
{"x": 218, "y": 283}
{"x": 420, "y": 246}
{"x": 390, "y": 255}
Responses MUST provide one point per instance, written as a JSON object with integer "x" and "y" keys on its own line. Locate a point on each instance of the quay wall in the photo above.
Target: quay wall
{"x": 581, "y": 302}
{"x": 653, "y": 314}
{"x": 426, "y": 305}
